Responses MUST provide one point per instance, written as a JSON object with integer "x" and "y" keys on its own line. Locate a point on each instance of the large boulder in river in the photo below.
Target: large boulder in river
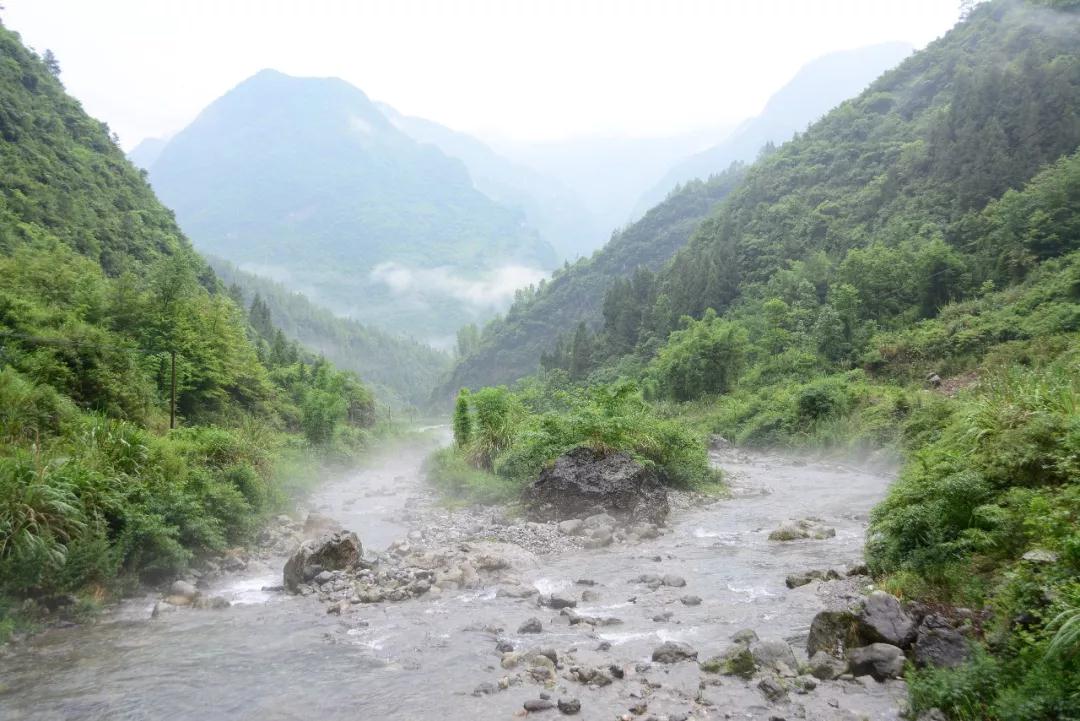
{"x": 879, "y": 618}
{"x": 586, "y": 481}
{"x": 333, "y": 552}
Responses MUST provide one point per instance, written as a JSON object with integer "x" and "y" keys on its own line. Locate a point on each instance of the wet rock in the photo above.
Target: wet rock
{"x": 585, "y": 478}
{"x": 795, "y": 530}
{"x": 600, "y": 538}
{"x": 939, "y": 644}
{"x": 214, "y": 603}
{"x": 538, "y": 704}
{"x": 533, "y": 625}
{"x": 772, "y": 689}
{"x": 825, "y": 667}
{"x": 775, "y": 656}
{"x": 589, "y": 596}
{"x": 184, "y": 589}
{"x": 673, "y": 652}
{"x": 569, "y": 706}
{"x": 833, "y": 632}
{"x": 880, "y": 660}
{"x": 883, "y": 620}
{"x": 590, "y": 676}
{"x": 663, "y": 617}
{"x": 558, "y": 601}
{"x": 674, "y": 581}
{"x": 516, "y": 590}
{"x": 691, "y": 600}
{"x": 745, "y": 636}
{"x": 572, "y": 527}
{"x": 737, "y": 660}
{"x": 335, "y": 552}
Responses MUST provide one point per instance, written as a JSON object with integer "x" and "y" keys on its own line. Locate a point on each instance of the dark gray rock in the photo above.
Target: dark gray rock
{"x": 772, "y": 689}
{"x": 612, "y": 482}
{"x": 880, "y": 660}
{"x": 883, "y": 620}
{"x": 833, "y": 632}
{"x": 339, "y": 551}
{"x": 539, "y": 704}
{"x": 939, "y": 644}
{"x": 569, "y": 706}
{"x": 558, "y": 601}
{"x": 826, "y": 667}
{"x": 673, "y": 652}
{"x": 691, "y": 600}
{"x": 533, "y": 625}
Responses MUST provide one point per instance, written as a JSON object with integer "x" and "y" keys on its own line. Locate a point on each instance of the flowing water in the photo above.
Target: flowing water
{"x": 272, "y": 656}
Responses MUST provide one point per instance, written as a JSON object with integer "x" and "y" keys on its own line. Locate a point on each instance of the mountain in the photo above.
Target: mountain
{"x": 511, "y": 346}
{"x": 548, "y": 205}
{"x": 146, "y": 153}
{"x": 143, "y": 419}
{"x": 304, "y": 180}
{"x": 400, "y": 370}
{"x": 816, "y": 88}
{"x": 608, "y": 173}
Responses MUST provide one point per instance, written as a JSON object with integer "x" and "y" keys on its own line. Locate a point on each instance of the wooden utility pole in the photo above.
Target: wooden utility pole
{"x": 172, "y": 395}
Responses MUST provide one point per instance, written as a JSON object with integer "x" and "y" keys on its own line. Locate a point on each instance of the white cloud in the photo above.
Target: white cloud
{"x": 494, "y": 290}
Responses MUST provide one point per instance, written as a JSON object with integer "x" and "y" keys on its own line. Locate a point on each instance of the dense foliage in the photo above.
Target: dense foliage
{"x": 101, "y": 297}
{"x": 503, "y": 438}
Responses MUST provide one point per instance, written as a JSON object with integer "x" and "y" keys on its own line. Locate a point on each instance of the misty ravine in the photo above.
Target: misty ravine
{"x": 448, "y": 654}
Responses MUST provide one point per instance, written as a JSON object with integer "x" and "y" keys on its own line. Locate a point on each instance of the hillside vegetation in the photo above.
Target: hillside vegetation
{"x": 904, "y": 275}
{"x": 100, "y": 294}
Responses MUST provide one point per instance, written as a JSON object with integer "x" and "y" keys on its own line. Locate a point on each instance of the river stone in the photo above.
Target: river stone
{"x": 883, "y": 620}
{"x": 775, "y": 656}
{"x": 334, "y": 552}
{"x": 538, "y": 704}
{"x": 880, "y": 660}
{"x": 183, "y": 588}
{"x": 178, "y": 600}
{"x": 674, "y": 581}
{"x": 585, "y": 478}
{"x": 826, "y": 667}
{"x": 939, "y": 644}
{"x": 772, "y": 689}
{"x": 833, "y": 632}
{"x": 600, "y": 538}
{"x": 589, "y": 596}
{"x": 745, "y": 636}
{"x": 569, "y": 706}
{"x": 673, "y": 652}
{"x": 793, "y": 530}
{"x": 210, "y": 602}
{"x": 735, "y": 661}
{"x": 558, "y": 601}
{"x": 533, "y": 625}
{"x": 691, "y": 600}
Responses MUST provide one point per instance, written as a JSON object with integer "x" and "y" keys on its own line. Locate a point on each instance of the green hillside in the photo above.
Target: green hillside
{"x": 510, "y": 347}
{"x": 400, "y": 370}
{"x": 100, "y": 294}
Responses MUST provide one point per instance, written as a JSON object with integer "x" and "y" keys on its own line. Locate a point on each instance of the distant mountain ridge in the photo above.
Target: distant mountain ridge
{"x": 307, "y": 180}
{"x": 549, "y": 206}
{"x": 817, "y": 87}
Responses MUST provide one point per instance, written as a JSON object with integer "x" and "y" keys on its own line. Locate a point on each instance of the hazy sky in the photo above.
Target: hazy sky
{"x": 524, "y": 69}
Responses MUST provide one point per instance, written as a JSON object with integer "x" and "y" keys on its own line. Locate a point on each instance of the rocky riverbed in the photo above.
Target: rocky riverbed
{"x": 417, "y": 611}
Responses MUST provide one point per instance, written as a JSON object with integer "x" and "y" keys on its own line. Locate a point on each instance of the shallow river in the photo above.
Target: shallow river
{"x": 272, "y": 656}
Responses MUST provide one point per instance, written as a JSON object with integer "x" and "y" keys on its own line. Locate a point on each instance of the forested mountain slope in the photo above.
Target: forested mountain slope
{"x": 305, "y": 180}
{"x": 400, "y": 370}
{"x": 510, "y": 347}
{"x": 100, "y": 295}
{"x": 553, "y": 209}
{"x": 816, "y": 89}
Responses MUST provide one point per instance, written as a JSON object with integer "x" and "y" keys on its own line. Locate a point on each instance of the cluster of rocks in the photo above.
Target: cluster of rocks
{"x": 803, "y": 528}
{"x": 184, "y": 594}
{"x": 600, "y": 530}
{"x": 804, "y": 578}
{"x": 878, "y": 636}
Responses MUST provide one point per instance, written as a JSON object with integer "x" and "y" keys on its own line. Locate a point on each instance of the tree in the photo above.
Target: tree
{"x": 463, "y": 425}
{"x": 580, "y": 353}
{"x": 51, "y": 63}
{"x": 706, "y": 356}
{"x": 468, "y": 340}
